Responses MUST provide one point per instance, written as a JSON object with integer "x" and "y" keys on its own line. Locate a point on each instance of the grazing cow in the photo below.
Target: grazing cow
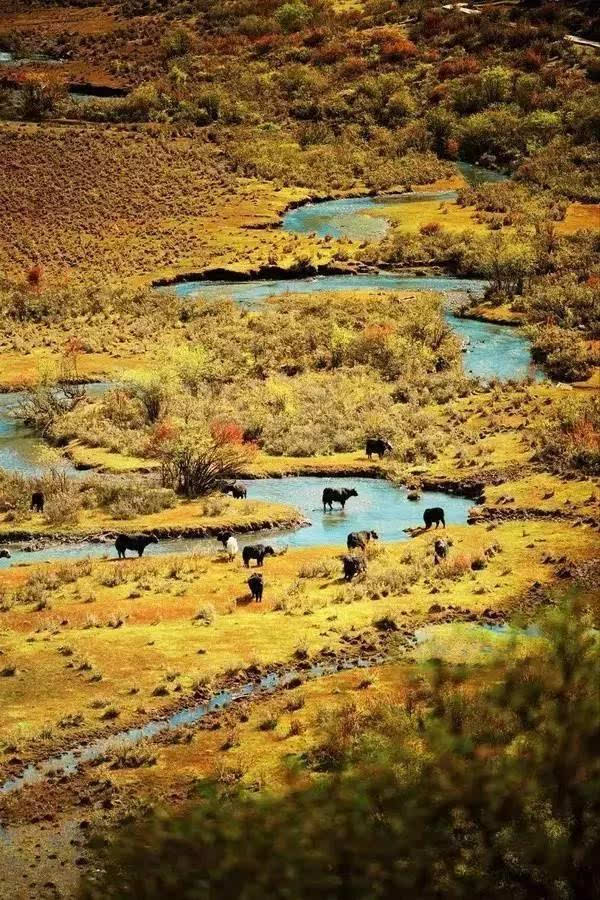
{"x": 331, "y": 496}
{"x": 223, "y": 537}
{"x": 440, "y": 550}
{"x": 232, "y": 547}
{"x": 257, "y": 552}
{"x": 237, "y": 490}
{"x": 135, "y": 542}
{"x": 4, "y": 553}
{"x": 379, "y": 446}
{"x": 37, "y": 501}
{"x": 359, "y": 539}
{"x": 434, "y": 514}
{"x": 353, "y": 565}
{"x": 255, "y": 583}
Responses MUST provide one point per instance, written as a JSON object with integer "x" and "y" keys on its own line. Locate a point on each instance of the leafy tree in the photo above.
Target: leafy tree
{"x": 193, "y": 468}
{"x": 293, "y": 16}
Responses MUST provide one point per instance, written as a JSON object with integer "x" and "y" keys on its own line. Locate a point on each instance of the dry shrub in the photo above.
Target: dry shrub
{"x": 206, "y": 614}
{"x": 62, "y": 509}
{"x": 454, "y": 566}
{"x": 452, "y": 68}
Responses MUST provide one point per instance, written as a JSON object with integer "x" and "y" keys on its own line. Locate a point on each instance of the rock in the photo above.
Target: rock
{"x": 413, "y": 495}
{"x": 435, "y": 608}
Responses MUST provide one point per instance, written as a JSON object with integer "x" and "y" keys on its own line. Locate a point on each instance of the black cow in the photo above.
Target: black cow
{"x": 379, "y": 446}
{"x": 435, "y": 514}
{"x": 255, "y": 583}
{"x": 331, "y": 496}
{"x": 223, "y": 537}
{"x": 359, "y": 539}
{"x": 136, "y": 542}
{"x": 353, "y": 565}
{"x": 237, "y": 490}
{"x": 257, "y": 552}
{"x": 4, "y": 553}
{"x": 440, "y": 550}
{"x": 37, "y": 501}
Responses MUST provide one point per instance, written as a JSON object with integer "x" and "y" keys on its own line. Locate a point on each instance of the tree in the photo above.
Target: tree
{"x": 507, "y": 263}
{"x": 45, "y": 402}
{"x": 195, "y": 468}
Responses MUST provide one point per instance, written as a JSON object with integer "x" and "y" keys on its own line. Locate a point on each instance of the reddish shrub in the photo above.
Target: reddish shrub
{"x": 430, "y": 228}
{"x": 330, "y": 53}
{"x": 315, "y": 37}
{"x": 35, "y": 275}
{"x": 532, "y": 60}
{"x": 227, "y": 431}
{"x": 433, "y": 24}
{"x": 438, "y": 93}
{"x": 452, "y": 68}
{"x": 396, "y": 49}
{"x": 265, "y": 44}
{"x": 452, "y": 148}
{"x": 353, "y": 66}
{"x": 163, "y": 433}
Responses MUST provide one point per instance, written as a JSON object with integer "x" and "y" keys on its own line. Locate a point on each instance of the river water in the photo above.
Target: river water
{"x": 380, "y": 506}
{"x": 491, "y": 351}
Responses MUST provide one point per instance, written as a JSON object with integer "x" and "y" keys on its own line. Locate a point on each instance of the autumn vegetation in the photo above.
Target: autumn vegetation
{"x": 145, "y": 142}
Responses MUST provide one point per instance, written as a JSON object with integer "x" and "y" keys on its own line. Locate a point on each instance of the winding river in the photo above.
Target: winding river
{"x": 19, "y": 447}
{"x": 491, "y": 351}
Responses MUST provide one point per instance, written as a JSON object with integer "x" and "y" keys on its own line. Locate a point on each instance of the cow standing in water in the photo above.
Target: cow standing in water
{"x": 332, "y": 495}
{"x": 135, "y": 542}
{"x": 237, "y": 490}
{"x": 434, "y": 515}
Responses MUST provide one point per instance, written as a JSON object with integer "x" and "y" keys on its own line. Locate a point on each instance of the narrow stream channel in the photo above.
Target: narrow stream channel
{"x": 19, "y": 446}
{"x": 68, "y": 762}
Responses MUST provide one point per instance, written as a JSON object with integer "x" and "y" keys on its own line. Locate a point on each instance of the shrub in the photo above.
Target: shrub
{"x": 176, "y": 42}
{"x": 452, "y": 68}
{"x": 132, "y": 757}
{"x": 563, "y": 353}
{"x": 62, "y": 509}
{"x": 38, "y": 98}
{"x": 293, "y": 16}
{"x": 206, "y": 614}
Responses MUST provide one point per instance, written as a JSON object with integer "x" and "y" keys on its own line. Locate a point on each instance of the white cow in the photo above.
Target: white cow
{"x": 232, "y": 547}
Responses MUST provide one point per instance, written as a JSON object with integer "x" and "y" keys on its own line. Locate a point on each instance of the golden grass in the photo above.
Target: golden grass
{"x": 580, "y": 216}
{"x": 81, "y": 206}
{"x": 412, "y": 216}
{"x": 159, "y": 598}
{"x": 186, "y": 515}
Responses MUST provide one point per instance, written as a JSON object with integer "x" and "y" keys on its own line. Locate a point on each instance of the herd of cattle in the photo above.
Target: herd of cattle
{"x": 353, "y": 563}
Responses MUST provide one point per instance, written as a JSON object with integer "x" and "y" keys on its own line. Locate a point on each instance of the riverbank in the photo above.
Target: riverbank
{"x": 189, "y": 519}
